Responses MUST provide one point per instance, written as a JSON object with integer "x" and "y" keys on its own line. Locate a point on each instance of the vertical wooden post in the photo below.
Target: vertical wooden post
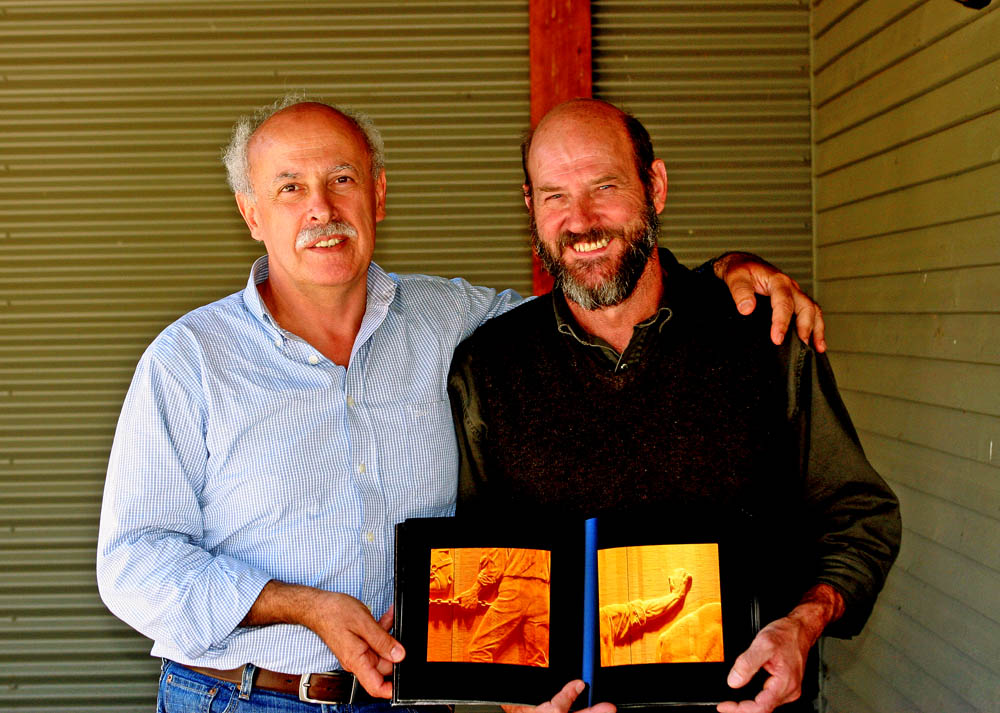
{"x": 559, "y": 39}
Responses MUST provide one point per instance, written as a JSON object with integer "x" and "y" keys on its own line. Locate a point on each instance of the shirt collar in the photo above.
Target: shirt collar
{"x": 566, "y": 323}
{"x": 381, "y": 292}
{"x": 252, "y": 298}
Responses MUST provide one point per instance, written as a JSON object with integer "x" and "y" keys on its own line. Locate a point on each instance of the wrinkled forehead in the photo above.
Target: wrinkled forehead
{"x": 305, "y": 129}
{"x": 577, "y": 140}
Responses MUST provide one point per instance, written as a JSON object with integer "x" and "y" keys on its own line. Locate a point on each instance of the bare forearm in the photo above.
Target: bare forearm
{"x": 361, "y": 644}
{"x": 282, "y": 603}
{"x": 819, "y": 606}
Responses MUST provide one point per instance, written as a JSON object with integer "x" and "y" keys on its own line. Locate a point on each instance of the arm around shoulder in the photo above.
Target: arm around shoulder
{"x": 483, "y": 303}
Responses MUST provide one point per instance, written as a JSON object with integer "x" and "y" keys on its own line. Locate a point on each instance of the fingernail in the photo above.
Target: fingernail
{"x": 745, "y": 306}
{"x": 397, "y": 653}
{"x": 734, "y": 679}
{"x": 579, "y": 687}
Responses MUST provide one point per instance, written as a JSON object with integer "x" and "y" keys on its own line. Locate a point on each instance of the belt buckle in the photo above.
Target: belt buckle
{"x": 305, "y": 681}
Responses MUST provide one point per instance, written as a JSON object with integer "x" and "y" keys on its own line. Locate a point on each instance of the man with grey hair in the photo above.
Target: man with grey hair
{"x": 271, "y": 440}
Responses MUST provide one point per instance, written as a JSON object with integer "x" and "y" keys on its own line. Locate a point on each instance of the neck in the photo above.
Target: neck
{"x": 328, "y": 318}
{"x": 614, "y": 324}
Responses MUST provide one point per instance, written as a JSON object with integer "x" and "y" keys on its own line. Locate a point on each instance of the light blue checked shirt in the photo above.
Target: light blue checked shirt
{"x": 242, "y": 454}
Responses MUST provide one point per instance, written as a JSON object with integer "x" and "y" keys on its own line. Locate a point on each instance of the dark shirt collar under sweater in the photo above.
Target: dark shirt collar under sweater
{"x": 641, "y": 342}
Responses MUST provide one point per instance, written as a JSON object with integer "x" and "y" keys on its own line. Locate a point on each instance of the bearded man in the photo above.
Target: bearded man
{"x": 634, "y": 386}
{"x": 271, "y": 440}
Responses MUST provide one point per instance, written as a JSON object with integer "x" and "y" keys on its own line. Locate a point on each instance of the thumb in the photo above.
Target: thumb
{"x": 745, "y": 666}
{"x": 382, "y": 643}
{"x": 385, "y": 621}
{"x": 564, "y": 699}
{"x": 743, "y": 293}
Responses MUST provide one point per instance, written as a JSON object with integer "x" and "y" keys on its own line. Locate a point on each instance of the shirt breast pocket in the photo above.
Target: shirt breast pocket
{"x": 432, "y": 458}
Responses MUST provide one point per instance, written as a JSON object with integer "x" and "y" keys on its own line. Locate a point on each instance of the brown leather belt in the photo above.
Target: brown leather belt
{"x": 329, "y": 687}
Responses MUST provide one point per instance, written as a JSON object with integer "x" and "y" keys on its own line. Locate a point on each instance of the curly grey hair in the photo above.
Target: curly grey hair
{"x": 234, "y": 156}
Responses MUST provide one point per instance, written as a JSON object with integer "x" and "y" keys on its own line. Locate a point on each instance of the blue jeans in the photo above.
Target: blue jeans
{"x": 185, "y": 691}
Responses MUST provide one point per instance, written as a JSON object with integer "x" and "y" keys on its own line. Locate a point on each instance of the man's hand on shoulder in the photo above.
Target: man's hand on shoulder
{"x": 746, "y": 274}
{"x": 562, "y": 701}
{"x": 781, "y": 649}
{"x": 362, "y": 645}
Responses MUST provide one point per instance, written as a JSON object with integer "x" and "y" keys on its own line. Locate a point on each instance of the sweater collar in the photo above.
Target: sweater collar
{"x": 567, "y": 325}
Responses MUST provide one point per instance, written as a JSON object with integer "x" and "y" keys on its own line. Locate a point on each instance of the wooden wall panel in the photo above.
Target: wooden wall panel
{"x": 960, "y": 337}
{"x": 953, "y": 150}
{"x": 935, "y": 382}
{"x": 843, "y": 28}
{"x": 960, "y": 481}
{"x": 936, "y": 247}
{"x": 969, "y": 290}
{"x": 957, "y": 626}
{"x": 947, "y": 199}
{"x": 891, "y": 78}
{"x": 960, "y": 579}
{"x": 883, "y": 664}
{"x": 906, "y": 129}
{"x": 971, "y": 93}
{"x": 954, "y": 431}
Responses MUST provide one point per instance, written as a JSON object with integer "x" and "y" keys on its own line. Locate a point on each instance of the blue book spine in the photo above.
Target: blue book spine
{"x": 589, "y": 607}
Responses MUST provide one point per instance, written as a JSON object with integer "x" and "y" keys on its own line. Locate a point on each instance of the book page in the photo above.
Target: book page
{"x": 659, "y": 604}
{"x": 489, "y": 605}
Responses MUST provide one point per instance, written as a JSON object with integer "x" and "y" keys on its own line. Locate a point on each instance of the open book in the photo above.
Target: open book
{"x": 646, "y": 613}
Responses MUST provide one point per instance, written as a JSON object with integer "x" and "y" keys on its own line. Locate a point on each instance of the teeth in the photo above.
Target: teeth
{"x": 588, "y": 247}
{"x": 329, "y": 243}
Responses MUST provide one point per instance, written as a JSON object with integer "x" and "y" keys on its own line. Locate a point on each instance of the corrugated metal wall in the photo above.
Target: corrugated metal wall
{"x": 907, "y": 127}
{"x": 723, "y": 88}
{"x": 115, "y": 219}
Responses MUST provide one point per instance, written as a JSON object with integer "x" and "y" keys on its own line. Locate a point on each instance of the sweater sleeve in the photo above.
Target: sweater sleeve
{"x": 854, "y": 512}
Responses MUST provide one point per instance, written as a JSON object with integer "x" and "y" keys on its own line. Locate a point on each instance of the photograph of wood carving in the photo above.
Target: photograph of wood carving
{"x": 489, "y": 605}
{"x": 660, "y": 604}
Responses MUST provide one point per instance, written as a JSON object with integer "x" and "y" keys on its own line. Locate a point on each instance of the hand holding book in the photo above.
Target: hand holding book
{"x": 563, "y": 702}
{"x": 507, "y": 616}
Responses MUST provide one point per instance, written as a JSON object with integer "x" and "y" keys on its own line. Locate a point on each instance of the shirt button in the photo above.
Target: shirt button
{"x": 277, "y": 342}
{"x": 361, "y": 468}
{"x": 313, "y": 359}
{"x": 350, "y": 401}
{"x": 370, "y": 536}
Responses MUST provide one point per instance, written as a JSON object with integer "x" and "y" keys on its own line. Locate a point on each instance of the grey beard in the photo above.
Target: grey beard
{"x": 616, "y": 288}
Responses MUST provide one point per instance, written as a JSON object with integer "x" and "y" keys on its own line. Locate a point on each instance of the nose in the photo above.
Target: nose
{"x": 321, "y": 208}
{"x": 582, "y": 216}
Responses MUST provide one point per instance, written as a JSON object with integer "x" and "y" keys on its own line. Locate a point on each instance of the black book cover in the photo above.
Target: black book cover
{"x": 649, "y": 612}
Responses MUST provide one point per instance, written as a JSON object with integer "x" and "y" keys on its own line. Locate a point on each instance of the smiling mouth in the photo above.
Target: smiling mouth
{"x": 330, "y": 235}
{"x": 328, "y": 243}
{"x": 582, "y": 247}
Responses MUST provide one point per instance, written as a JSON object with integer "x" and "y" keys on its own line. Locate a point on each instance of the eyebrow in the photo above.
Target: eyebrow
{"x": 287, "y": 175}
{"x": 606, "y": 178}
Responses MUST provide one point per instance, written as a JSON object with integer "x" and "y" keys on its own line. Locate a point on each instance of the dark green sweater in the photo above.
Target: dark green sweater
{"x": 707, "y": 416}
